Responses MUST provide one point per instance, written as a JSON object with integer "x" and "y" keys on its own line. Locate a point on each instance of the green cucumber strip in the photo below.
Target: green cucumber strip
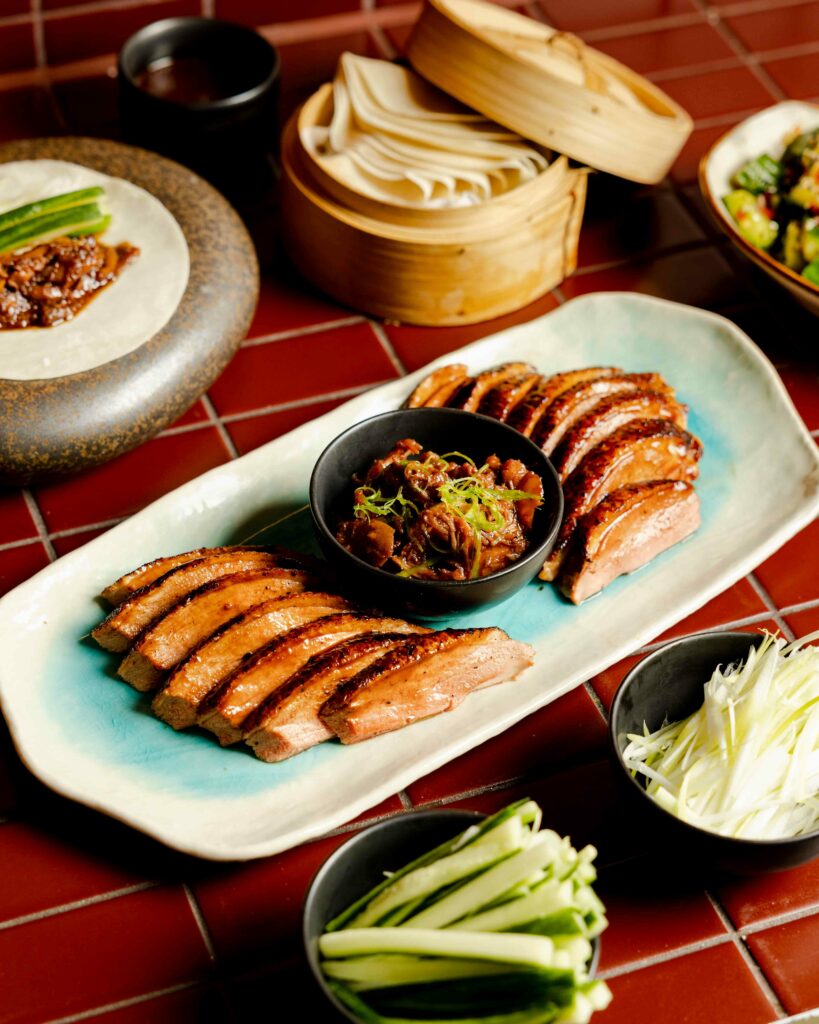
{"x": 424, "y": 881}
{"x": 547, "y": 899}
{"x": 95, "y": 228}
{"x": 759, "y": 175}
{"x": 577, "y": 947}
{"x": 526, "y": 810}
{"x": 475, "y": 997}
{"x": 50, "y": 225}
{"x": 41, "y": 206}
{"x": 528, "y": 950}
{"x": 562, "y": 922}
{"x": 488, "y": 886}
{"x": 383, "y": 970}
{"x": 354, "y": 1003}
{"x": 590, "y": 997}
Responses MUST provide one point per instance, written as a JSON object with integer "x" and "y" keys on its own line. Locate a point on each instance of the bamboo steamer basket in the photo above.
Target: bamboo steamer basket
{"x": 417, "y": 267}
{"x": 550, "y": 87}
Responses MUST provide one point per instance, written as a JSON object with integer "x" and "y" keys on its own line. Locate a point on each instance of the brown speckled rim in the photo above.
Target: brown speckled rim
{"x": 57, "y": 426}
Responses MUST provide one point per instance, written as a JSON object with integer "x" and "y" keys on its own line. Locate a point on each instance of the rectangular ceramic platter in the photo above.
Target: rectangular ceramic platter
{"x": 90, "y": 736}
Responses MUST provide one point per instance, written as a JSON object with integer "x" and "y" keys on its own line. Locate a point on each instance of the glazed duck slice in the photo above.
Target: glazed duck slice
{"x": 424, "y": 676}
{"x": 225, "y": 710}
{"x": 501, "y": 400}
{"x": 571, "y": 406}
{"x": 527, "y": 413}
{"x": 624, "y": 531}
{"x": 640, "y": 451}
{"x": 288, "y": 721}
{"x": 470, "y": 396}
{"x": 452, "y": 374}
{"x": 209, "y": 664}
{"x": 116, "y": 592}
{"x": 605, "y": 417}
{"x": 121, "y": 628}
{"x": 172, "y": 637}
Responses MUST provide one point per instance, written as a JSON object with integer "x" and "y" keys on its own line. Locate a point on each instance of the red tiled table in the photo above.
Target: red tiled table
{"x": 97, "y": 922}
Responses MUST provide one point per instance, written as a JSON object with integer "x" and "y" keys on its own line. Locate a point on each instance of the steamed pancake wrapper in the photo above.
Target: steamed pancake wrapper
{"x": 394, "y": 138}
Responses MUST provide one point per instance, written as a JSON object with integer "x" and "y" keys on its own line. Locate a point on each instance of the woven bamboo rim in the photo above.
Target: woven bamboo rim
{"x": 485, "y": 56}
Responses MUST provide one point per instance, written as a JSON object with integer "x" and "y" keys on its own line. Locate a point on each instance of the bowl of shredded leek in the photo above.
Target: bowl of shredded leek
{"x": 717, "y": 735}
{"x": 448, "y": 915}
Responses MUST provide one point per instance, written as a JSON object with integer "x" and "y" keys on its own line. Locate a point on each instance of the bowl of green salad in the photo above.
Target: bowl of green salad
{"x": 761, "y": 183}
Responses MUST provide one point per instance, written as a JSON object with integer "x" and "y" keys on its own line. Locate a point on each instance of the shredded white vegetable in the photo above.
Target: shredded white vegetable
{"x": 746, "y": 764}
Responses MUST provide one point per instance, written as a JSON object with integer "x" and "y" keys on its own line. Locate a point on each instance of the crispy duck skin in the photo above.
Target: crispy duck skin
{"x": 444, "y": 395}
{"x": 209, "y": 664}
{"x": 470, "y": 396}
{"x": 121, "y": 628}
{"x": 225, "y": 709}
{"x": 500, "y": 400}
{"x": 434, "y": 382}
{"x": 570, "y": 407}
{"x": 605, "y": 417}
{"x": 641, "y": 450}
{"x": 172, "y": 637}
{"x": 115, "y": 593}
{"x": 527, "y": 414}
{"x": 624, "y": 531}
{"x": 288, "y": 721}
{"x": 420, "y": 678}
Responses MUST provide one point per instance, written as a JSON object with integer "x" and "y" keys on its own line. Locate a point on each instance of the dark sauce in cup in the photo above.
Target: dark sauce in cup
{"x": 183, "y": 80}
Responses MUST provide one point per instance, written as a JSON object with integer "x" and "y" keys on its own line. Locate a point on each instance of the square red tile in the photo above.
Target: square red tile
{"x": 699, "y": 277}
{"x": 740, "y": 601}
{"x": 62, "y": 545}
{"x": 773, "y": 30}
{"x": 258, "y": 430}
{"x": 132, "y": 481}
{"x": 719, "y": 92}
{"x": 565, "y": 730}
{"x": 790, "y": 576}
{"x": 416, "y": 346}
{"x": 26, "y": 113}
{"x": 308, "y": 63}
{"x": 17, "y": 46}
{"x": 196, "y": 1005}
{"x": 269, "y": 12}
{"x": 287, "y": 302}
{"x": 619, "y": 226}
{"x": 713, "y": 985}
{"x": 90, "y": 33}
{"x": 15, "y": 519}
{"x": 651, "y": 911}
{"x": 795, "y": 75}
{"x": 300, "y": 367}
{"x": 41, "y": 871}
{"x": 803, "y": 622}
{"x": 751, "y": 900}
{"x": 196, "y": 414}
{"x": 53, "y": 5}
{"x": 669, "y": 48}
{"x": 89, "y": 105}
{"x": 802, "y": 382}
{"x": 582, "y": 15}
{"x": 787, "y": 956}
{"x": 11, "y": 8}
{"x": 686, "y": 166}
{"x": 101, "y": 954}
{"x": 17, "y": 564}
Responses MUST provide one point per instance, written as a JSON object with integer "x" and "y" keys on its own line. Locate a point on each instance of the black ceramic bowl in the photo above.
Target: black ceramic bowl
{"x": 668, "y": 684}
{"x": 359, "y": 865}
{"x": 439, "y": 430}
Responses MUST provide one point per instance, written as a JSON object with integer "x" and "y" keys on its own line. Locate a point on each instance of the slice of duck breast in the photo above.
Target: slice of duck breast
{"x": 288, "y": 721}
{"x": 434, "y": 382}
{"x": 470, "y": 396}
{"x": 172, "y": 637}
{"x": 140, "y": 577}
{"x": 210, "y": 664}
{"x": 624, "y": 531}
{"x": 527, "y": 413}
{"x": 639, "y": 451}
{"x": 121, "y": 628}
{"x": 500, "y": 400}
{"x": 424, "y": 676}
{"x": 605, "y": 417}
{"x": 571, "y": 406}
{"x": 224, "y": 711}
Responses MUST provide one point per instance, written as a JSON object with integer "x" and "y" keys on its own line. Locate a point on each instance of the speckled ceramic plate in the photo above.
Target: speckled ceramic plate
{"x": 57, "y": 424}
{"x": 90, "y": 736}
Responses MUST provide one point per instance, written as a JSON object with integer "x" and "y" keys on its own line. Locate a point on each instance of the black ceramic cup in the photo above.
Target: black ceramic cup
{"x": 668, "y": 685}
{"x": 204, "y": 92}
{"x": 439, "y": 430}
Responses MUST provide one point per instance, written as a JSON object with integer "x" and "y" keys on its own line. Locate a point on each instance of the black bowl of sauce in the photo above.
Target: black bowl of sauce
{"x": 204, "y": 92}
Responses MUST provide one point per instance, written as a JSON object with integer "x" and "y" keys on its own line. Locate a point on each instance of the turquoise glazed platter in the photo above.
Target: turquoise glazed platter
{"x": 88, "y": 735}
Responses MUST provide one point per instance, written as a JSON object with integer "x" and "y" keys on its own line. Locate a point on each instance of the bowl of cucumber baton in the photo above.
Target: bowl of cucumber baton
{"x": 450, "y": 915}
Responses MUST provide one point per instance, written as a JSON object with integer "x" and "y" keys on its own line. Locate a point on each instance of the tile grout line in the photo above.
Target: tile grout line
{"x": 595, "y": 699}
{"x": 660, "y": 958}
{"x": 300, "y": 403}
{"x": 751, "y": 62}
{"x": 298, "y": 332}
{"x": 386, "y": 344}
{"x": 406, "y": 802}
{"x": 207, "y": 939}
{"x": 721, "y": 627}
{"x": 769, "y": 603}
{"x": 40, "y": 523}
{"x": 65, "y": 908}
{"x": 122, "y": 1004}
{"x": 221, "y": 429}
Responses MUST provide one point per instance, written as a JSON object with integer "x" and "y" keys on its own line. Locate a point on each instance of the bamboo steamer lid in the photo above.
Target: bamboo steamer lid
{"x": 550, "y": 87}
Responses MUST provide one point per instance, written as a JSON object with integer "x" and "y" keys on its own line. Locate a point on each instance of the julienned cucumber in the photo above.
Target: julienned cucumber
{"x": 51, "y": 225}
{"x": 492, "y": 927}
{"x": 20, "y": 214}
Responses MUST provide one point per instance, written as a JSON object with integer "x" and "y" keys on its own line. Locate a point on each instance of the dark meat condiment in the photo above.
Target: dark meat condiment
{"x": 50, "y": 283}
{"x": 183, "y": 80}
{"x": 441, "y": 517}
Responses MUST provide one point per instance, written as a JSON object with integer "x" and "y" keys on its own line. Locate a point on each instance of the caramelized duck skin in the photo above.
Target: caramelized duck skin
{"x": 626, "y": 530}
{"x": 472, "y": 393}
{"x": 527, "y": 413}
{"x": 424, "y": 676}
{"x": 434, "y": 382}
{"x": 209, "y": 665}
{"x": 640, "y": 451}
{"x": 502, "y": 399}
